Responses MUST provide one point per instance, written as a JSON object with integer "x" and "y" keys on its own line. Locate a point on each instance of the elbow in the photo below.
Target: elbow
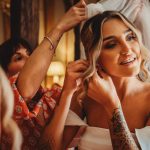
{"x": 25, "y": 90}
{"x": 27, "y": 94}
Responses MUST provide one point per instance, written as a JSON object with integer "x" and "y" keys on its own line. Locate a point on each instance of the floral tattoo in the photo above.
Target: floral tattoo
{"x": 120, "y": 135}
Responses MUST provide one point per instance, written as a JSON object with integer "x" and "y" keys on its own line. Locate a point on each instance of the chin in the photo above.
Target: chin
{"x": 131, "y": 73}
{"x": 126, "y": 72}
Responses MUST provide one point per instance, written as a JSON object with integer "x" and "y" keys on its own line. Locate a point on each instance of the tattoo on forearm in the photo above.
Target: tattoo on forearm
{"x": 120, "y": 135}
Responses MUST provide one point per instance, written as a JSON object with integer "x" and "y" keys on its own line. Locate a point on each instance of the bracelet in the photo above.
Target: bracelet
{"x": 51, "y": 43}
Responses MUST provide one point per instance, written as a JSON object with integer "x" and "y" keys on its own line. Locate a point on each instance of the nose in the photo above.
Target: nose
{"x": 27, "y": 56}
{"x": 125, "y": 48}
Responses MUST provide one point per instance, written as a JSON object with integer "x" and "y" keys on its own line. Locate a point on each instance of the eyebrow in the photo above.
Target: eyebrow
{"x": 17, "y": 53}
{"x": 112, "y": 37}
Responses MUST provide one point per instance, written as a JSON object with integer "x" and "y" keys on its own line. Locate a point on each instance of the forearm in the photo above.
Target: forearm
{"x": 37, "y": 65}
{"x": 53, "y": 134}
{"x": 120, "y": 134}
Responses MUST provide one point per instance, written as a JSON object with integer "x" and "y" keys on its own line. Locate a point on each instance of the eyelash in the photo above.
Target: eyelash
{"x": 129, "y": 37}
{"x": 18, "y": 58}
{"x": 110, "y": 46}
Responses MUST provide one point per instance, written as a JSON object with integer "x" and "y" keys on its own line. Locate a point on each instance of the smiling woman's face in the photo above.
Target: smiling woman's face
{"x": 120, "y": 55}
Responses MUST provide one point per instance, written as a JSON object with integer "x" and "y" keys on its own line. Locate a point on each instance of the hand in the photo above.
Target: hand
{"x": 73, "y": 16}
{"x": 74, "y": 74}
{"x": 101, "y": 88}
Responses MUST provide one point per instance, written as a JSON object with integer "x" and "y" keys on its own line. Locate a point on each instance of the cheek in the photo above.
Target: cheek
{"x": 107, "y": 61}
{"x": 138, "y": 52}
{"x": 15, "y": 67}
{"x": 136, "y": 49}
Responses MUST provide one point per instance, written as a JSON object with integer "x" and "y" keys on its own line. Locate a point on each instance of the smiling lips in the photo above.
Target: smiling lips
{"x": 128, "y": 61}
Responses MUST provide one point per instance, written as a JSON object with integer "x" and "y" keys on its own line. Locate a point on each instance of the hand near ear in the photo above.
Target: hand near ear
{"x": 101, "y": 88}
{"x": 74, "y": 74}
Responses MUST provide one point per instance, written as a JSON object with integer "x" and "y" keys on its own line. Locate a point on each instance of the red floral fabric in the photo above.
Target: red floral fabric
{"x": 33, "y": 115}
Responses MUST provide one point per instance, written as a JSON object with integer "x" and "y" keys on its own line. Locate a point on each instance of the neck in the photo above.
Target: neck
{"x": 124, "y": 86}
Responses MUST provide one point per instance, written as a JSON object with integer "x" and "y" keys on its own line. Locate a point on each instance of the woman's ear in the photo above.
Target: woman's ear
{"x": 98, "y": 66}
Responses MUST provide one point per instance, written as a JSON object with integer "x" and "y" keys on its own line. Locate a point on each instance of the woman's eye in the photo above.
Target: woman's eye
{"x": 131, "y": 37}
{"x": 110, "y": 45}
{"x": 17, "y": 58}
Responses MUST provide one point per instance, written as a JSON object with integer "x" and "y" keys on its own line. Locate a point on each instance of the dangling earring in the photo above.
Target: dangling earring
{"x": 99, "y": 66}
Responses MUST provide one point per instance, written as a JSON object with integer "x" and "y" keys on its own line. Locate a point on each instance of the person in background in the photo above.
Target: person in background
{"x": 35, "y": 109}
{"x": 13, "y": 55}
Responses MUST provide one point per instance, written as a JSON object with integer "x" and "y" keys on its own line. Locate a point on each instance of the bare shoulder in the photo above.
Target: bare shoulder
{"x": 147, "y": 91}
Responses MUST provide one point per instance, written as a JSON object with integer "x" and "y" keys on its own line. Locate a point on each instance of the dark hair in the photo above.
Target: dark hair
{"x": 9, "y": 47}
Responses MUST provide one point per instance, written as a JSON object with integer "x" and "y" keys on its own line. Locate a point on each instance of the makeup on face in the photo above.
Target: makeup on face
{"x": 120, "y": 48}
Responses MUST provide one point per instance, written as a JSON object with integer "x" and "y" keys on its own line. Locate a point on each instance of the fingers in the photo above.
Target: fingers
{"x": 80, "y": 61}
{"x": 76, "y": 69}
{"x": 77, "y": 66}
{"x": 81, "y": 4}
{"x": 81, "y": 9}
{"x": 75, "y": 15}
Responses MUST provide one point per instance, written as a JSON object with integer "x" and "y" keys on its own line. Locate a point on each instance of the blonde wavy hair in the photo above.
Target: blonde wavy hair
{"x": 7, "y": 123}
{"x": 92, "y": 40}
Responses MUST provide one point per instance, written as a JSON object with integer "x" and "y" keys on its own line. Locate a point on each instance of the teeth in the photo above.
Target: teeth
{"x": 127, "y": 61}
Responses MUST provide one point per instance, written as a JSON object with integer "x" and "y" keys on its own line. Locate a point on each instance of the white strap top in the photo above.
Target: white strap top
{"x": 95, "y": 138}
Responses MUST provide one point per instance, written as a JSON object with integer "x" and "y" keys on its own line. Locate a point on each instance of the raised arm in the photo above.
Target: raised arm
{"x": 103, "y": 91}
{"x": 53, "y": 134}
{"x": 37, "y": 65}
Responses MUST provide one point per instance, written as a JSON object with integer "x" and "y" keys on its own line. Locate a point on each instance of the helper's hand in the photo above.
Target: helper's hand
{"x": 73, "y": 16}
{"x": 74, "y": 74}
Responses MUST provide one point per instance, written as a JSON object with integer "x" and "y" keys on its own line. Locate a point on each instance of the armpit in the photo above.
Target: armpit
{"x": 148, "y": 120}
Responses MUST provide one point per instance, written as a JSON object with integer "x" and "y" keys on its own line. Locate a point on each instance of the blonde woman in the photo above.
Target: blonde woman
{"x": 7, "y": 124}
{"x": 117, "y": 101}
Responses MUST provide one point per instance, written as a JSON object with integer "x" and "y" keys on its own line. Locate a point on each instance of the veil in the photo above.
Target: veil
{"x": 137, "y": 11}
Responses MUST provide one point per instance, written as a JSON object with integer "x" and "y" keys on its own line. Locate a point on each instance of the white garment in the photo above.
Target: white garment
{"x": 137, "y": 11}
{"x": 143, "y": 136}
{"x": 95, "y": 138}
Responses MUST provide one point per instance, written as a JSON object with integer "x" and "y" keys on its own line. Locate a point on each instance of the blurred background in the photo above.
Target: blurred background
{"x": 32, "y": 19}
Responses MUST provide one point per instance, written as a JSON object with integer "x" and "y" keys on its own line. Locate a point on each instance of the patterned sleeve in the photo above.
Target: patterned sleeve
{"x": 34, "y": 114}
{"x": 45, "y": 98}
{"x": 50, "y": 99}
